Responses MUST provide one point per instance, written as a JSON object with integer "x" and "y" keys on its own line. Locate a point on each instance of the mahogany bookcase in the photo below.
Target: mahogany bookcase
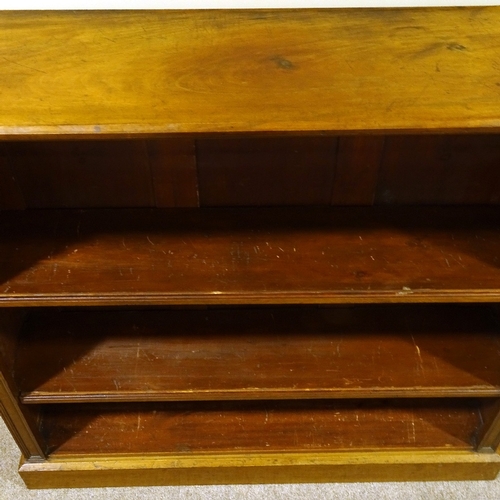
{"x": 250, "y": 246}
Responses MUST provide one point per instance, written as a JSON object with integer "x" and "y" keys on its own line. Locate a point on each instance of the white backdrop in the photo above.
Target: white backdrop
{"x": 225, "y": 4}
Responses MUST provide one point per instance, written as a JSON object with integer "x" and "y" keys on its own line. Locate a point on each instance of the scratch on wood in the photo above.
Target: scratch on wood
{"x": 413, "y": 431}
{"x": 24, "y": 66}
{"x": 458, "y": 261}
{"x": 419, "y": 355}
{"x": 338, "y": 348}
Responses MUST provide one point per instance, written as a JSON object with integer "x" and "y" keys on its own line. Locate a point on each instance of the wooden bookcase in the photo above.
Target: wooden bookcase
{"x": 250, "y": 246}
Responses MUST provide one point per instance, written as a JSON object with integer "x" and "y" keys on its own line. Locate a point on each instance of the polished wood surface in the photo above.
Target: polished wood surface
{"x": 258, "y": 353}
{"x": 229, "y": 256}
{"x": 252, "y": 427}
{"x": 365, "y": 70}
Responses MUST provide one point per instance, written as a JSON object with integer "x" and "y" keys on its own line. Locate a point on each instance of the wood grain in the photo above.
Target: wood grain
{"x": 258, "y": 468}
{"x": 180, "y": 84}
{"x": 117, "y": 73}
{"x": 253, "y": 427}
{"x": 173, "y": 170}
{"x": 258, "y": 353}
{"x": 82, "y": 174}
{"x": 443, "y": 169}
{"x": 11, "y": 197}
{"x": 231, "y": 256}
{"x": 357, "y": 170}
{"x": 266, "y": 171}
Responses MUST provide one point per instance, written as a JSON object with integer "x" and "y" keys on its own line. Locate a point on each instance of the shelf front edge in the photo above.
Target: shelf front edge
{"x": 260, "y": 298}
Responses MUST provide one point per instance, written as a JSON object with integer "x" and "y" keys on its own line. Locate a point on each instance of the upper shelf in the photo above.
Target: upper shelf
{"x": 166, "y": 72}
{"x": 288, "y": 255}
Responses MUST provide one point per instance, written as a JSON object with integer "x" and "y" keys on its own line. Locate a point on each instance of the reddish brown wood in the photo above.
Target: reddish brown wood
{"x": 83, "y": 174}
{"x": 356, "y": 175}
{"x": 243, "y": 427}
{"x": 173, "y": 166}
{"x": 266, "y": 171}
{"x": 440, "y": 169}
{"x": 10, "y": 193}
{"x": 263, "y": 353}
{"x": 145, "y": 77}
{"x": 253, "y": 255}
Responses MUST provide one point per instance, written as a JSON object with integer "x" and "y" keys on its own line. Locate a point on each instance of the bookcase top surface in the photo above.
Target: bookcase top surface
{"x": 116, "y": 73}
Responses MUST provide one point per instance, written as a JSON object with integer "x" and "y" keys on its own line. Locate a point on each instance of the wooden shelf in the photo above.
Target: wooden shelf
{"x": 91, "y": 74}
{"x": 231, "y": 256}
{"x": 259, "y": 353}
{"x": 253, "y": 427}
{"x": 322, "y": 316}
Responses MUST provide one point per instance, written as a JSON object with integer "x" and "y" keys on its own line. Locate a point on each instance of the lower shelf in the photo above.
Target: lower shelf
{"x": 260, "y": 442}
{"x": 260, "y": 427}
